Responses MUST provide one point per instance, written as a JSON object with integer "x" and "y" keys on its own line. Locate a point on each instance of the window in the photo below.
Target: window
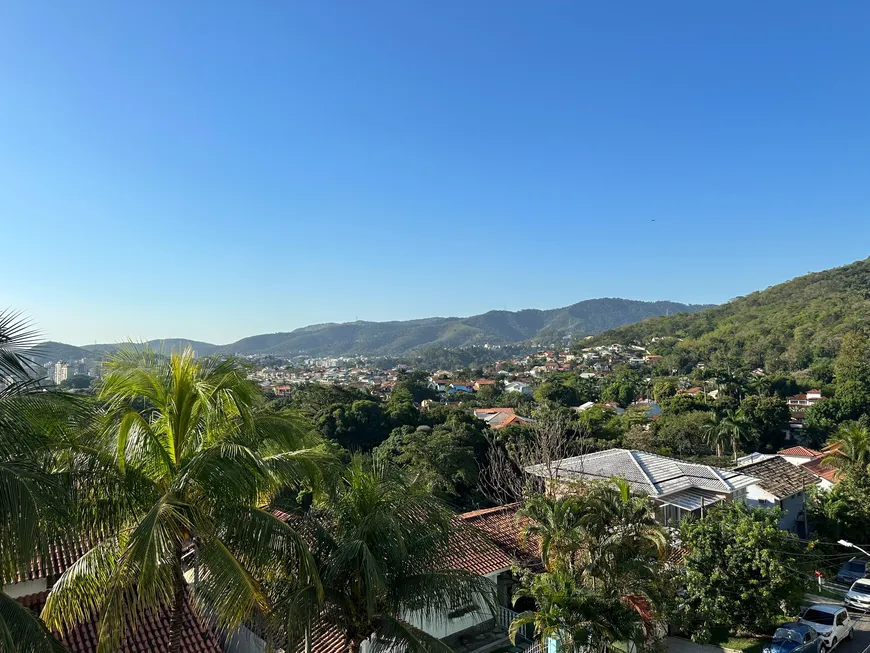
{"x": 841, "y": 618}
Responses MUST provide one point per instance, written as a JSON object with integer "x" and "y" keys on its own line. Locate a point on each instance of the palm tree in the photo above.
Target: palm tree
{"x": 32, "y": 498}
{"x": 735, "y": 425}
{"x": 580, "y": 619}
{"x": 197, "y": 461}
{"x": 383, "y": 547}
{"x": 727, "y": 427}
{"x": 714, "y": 433}
{"x": 624, "y": 541}
{"x": 554, "y": 522}
{"x": 851, "y": 450}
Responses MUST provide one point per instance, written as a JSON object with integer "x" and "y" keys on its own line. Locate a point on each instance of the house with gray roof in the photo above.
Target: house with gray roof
{"x": 678, "y": 487}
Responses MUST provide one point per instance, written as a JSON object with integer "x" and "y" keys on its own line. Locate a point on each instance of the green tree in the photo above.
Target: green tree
{"x": 843, "y": 512}
{"x": 682, "y": 434}
{"x": 768, "y": 417}
{"x": 664, "y": 389}
{"x": 77, "y": 382}
{"x": 33, "y": 498}
{"x": 199, "y": 459}
{"x": 622, "y": 390}
{"x": 554, "y": 522}
{"x": 579, "y": 618}
{"x": 739, "y": 571}
{"x": 557, "y": 393}
{"x": 438, "y": 458}
{"x": 382, "y": 543}
{"x": 851, "y": 452}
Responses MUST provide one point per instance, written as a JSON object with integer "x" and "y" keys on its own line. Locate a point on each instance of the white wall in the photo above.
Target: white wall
{"x": 441, "y": 626}
{"x": 791, "y": 507}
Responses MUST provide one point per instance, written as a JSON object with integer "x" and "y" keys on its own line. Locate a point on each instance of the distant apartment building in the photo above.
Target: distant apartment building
{"x": 61, "y": 372}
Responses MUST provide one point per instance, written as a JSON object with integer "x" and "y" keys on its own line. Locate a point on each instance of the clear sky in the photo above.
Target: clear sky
{"x": 213, "y": 170}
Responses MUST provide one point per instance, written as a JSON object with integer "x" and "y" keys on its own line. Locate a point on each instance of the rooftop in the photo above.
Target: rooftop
{"x": 148, "y": 634}
{"x": 648, "y": 472}
{"x": 800, "y": 451}
{"x": 779, "y": 477}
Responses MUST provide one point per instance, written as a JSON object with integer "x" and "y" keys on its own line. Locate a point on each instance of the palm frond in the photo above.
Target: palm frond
{"x": 17, "y": 340}
{"x": 21, "y": 630}
{"x": 395, "y": 633}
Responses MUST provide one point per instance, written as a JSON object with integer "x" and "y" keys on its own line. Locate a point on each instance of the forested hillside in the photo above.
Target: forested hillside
{"x": 793, "y": 326}
{"x": 415, "y": 337}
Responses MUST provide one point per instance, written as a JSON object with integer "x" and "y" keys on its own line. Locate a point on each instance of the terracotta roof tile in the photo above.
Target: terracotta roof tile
{"x": 820, "y": 469}
{"x": 149, "y": 635}
{"x": 800, "y": 451}
{"x": 60, "y": 557}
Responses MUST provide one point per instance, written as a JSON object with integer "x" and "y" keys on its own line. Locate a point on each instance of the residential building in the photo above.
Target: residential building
{"x": 146, "y": 633}
{"x": 61, "y": 372}
{"x": 781, "y": 485}
{"x": 490, "y": 550}
{"x": 460, "y": 386}
{"x": 518, "y": 386}
{"x": 678, "y": 488}
{"x": 827, "y": 476}
{"x": 483, "y": 383}
{"x": 803, "y": 401}
{"x": 498, "y": 418}
{"x": 282, "y": 390}
{"x": 798, "y": 455}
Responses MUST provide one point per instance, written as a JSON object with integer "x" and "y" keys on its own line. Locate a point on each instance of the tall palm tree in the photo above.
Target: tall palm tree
{"x": 32, "y": 498}
{"x": 580, "y": 619}
{"x": 383, "y": 551}
{"x": 737, "y": 427}
{"x": 555, "y": 523}
{"x": 852, "y": 448}
{"x": 715, "y": 434}
{"x": 727, "y": 427}
{"x": 197, "y": 461}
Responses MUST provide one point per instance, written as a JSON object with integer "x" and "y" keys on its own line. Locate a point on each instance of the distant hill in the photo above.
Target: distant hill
{"x": 57, "y": 351}
{"x": 792, "y": 326}
{"x": 164, "y": 344}
{"x": 494, "y": 328}
{"x": 402, "y": 338}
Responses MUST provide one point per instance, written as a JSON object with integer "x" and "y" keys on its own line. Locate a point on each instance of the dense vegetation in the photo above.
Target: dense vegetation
{"x": 797, "y": 325}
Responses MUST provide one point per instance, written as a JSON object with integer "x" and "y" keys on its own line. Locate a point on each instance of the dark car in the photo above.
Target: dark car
{"x": 794, "y": 638}
{"x": 851, "y": 571}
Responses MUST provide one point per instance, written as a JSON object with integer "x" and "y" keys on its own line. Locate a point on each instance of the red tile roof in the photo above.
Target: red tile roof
{"x": 60, "y": 557}
{"x": 500, "y": 527}
{"x": 800, "y": 451}
{"x": 817, "y": 467}
{"x": 149, "y": 635}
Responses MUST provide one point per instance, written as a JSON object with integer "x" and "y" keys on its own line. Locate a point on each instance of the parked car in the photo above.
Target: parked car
{"x": 795, "y": 638}
{"x": 831, "y": 622}
{"x": 858, "y": 595}
{"x": 851, "y": 571}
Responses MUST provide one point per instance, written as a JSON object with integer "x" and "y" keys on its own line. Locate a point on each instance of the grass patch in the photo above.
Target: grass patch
{"x": 745, "y": 643}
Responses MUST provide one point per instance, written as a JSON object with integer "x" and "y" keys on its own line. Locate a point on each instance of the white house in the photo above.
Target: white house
{"x": 518, "y": 386}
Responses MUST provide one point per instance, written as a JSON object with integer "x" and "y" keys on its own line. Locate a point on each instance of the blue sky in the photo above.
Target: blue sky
{"x": 214, "y": 170}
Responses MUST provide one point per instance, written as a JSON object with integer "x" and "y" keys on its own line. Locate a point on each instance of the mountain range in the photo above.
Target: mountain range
{"x": 795, "y": 325}
{"x": 399, "y": 338}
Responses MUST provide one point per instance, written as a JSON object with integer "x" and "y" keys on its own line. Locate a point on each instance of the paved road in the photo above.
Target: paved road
{"x": 861, "y": 643}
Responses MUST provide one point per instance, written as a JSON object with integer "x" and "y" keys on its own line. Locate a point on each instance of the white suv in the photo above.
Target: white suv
{"x": 859, "y": 595}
